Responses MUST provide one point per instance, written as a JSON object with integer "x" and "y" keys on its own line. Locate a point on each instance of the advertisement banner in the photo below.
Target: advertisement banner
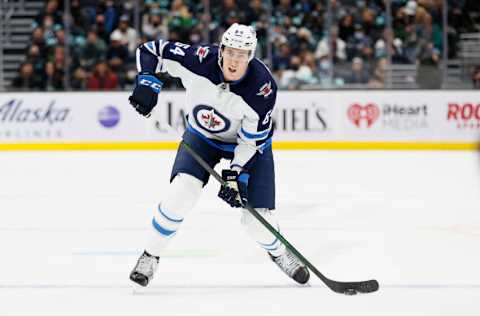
{"x": 66, "y": 117}
{"x": 422, "y": 116}
{"x": 393, "y": 116}
{"x": 312, "y": 119}
{"x": 304, "y": 116}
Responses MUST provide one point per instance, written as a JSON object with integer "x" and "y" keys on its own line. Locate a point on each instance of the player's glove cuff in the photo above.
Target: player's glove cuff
{"x": 145, "y": 95}
{"x": 149, "y": 80}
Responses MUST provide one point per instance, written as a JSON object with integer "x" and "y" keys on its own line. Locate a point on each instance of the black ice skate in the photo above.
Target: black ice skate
{"x": 144, "y": 269}
{"x": 292, "y": 267}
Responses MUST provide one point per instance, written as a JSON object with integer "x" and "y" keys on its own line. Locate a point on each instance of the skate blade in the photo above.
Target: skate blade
{"x": 303, "y": 285}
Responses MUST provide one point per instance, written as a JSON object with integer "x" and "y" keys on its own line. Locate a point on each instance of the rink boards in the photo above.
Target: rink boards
{"x": 400, "y": 120}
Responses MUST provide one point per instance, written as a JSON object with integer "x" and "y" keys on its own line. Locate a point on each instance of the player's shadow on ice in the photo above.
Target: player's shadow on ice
{"x": 212, "y": 289}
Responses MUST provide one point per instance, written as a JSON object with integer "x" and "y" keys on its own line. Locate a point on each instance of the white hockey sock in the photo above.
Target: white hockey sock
{"x": 184, "y": 192}
{"x": 260, "y": 233}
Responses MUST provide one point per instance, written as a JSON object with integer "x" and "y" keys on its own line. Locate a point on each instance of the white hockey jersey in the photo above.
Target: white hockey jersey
{"x": 234, "y": 116}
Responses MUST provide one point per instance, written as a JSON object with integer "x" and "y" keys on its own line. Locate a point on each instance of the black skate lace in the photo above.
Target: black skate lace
{"x": 147, "y": 265}
{"x": 288, "y": 262}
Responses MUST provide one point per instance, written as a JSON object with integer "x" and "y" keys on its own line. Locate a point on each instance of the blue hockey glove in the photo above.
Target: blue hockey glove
{"x": 235, "y": 190}
{"x": 145, "y": 95}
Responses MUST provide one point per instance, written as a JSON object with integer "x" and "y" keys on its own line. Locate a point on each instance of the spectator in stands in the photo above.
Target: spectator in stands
{"x": 368, "y": 22}
{"x": 101, "y": 28}
{"x": 358, "y": 74}
{"x": 360, "y": 44}
{"x": 338, "y": 45}
{"x": 51, "y": 10}
{"x": 60, "y": 36}
{"x": 58, "y": 57}
{"x": 458, "y": 21}
{"x": 54, "y": 77}
{"x": 430, "y": 31}
{"x": 296, "y": 29}
{"x": 455, "y": 14}
{"x": 314, "y": 18}
{"x": 62, "y": 41}
{"x": 196, "y": 35}
{"x": 398, "y": 52}
{"x": 36, "y": 59}
{"x": 302, "y": 71}
{"x": 306, "y": 74}
{"x": 255, "y": 15}
{"x": 126, "y": 34}
{"x": 27, "y": 79}
{"x": 378, "y": 78}
{"x": 49, "y": 31}
{"x": 336, "y": 10}
{"x": 289, "y": 79}
{"x": 80, "y": 18}
{"x": 118, "y": 57}
{"x": 38, "y": 40}
{"x": 429, "y": 74}
{"x": 380, "y": 50}
{"x": 283, "y": 9}
{"x": 224, "y": 14}
{"x": 411, "y": 44}
{"x": 346, "y": 27}
{"x": 95, "y": 49}
{"x": 111, "y": 16}
{"x": 154, "y": 25}
{"x": 324, "y": 71}
{"x": 476, "y": 78}
{"x": 281, "y": 59}
{"x": 434, "y": 9}
{"x": 128, "y": 6}
{"x": 303, "y": 41}
{"x": 102, "y": 78}
{"x": 181, "y": 20}
{"x": 79, "y": 80}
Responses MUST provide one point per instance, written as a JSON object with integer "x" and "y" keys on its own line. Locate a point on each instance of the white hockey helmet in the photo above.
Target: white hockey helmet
{"x": 240, "y": 36}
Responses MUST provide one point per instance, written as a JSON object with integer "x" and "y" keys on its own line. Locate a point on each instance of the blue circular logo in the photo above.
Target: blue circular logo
{"x": 109, "y": 116}
{"x": 209, "y": 119}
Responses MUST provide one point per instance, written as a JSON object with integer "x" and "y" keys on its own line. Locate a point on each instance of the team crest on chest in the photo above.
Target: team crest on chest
{"x": 210, "y": 120}
{"x": 202, "y": 52}
{"x": 265, "y": 90}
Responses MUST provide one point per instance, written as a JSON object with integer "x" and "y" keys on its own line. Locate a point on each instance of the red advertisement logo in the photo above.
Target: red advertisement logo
{"x": 368, "y": 113}
{"x": 466, "y": 116}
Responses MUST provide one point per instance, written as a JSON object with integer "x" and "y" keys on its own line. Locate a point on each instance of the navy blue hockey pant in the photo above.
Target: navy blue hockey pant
{"x": 261, "y": 184}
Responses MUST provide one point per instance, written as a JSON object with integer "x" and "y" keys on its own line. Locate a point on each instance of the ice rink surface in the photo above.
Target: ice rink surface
{"x": 73, "y": 223}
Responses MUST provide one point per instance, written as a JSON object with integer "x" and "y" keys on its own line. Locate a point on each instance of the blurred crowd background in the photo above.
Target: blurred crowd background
{"x": 82, "y": 45}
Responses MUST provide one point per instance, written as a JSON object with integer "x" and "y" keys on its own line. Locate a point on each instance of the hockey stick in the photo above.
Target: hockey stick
{"x": 349, "y": 288}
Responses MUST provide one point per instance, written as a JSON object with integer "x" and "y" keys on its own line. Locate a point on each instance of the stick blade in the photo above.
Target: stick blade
{"x": 352, "y": 288}
{"x": 368, "y": 286}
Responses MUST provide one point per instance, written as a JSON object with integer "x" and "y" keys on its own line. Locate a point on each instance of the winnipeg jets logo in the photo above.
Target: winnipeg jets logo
{"x": 210, "y": 120}
{"x": 265, "y": 90}
{"x": 202, "y": 52}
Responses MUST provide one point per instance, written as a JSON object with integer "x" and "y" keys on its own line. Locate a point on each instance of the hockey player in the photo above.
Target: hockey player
{"x": 230, "y": 97}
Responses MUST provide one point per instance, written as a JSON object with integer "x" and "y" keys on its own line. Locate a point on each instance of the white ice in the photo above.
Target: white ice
{"x": 73, "y": 223}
